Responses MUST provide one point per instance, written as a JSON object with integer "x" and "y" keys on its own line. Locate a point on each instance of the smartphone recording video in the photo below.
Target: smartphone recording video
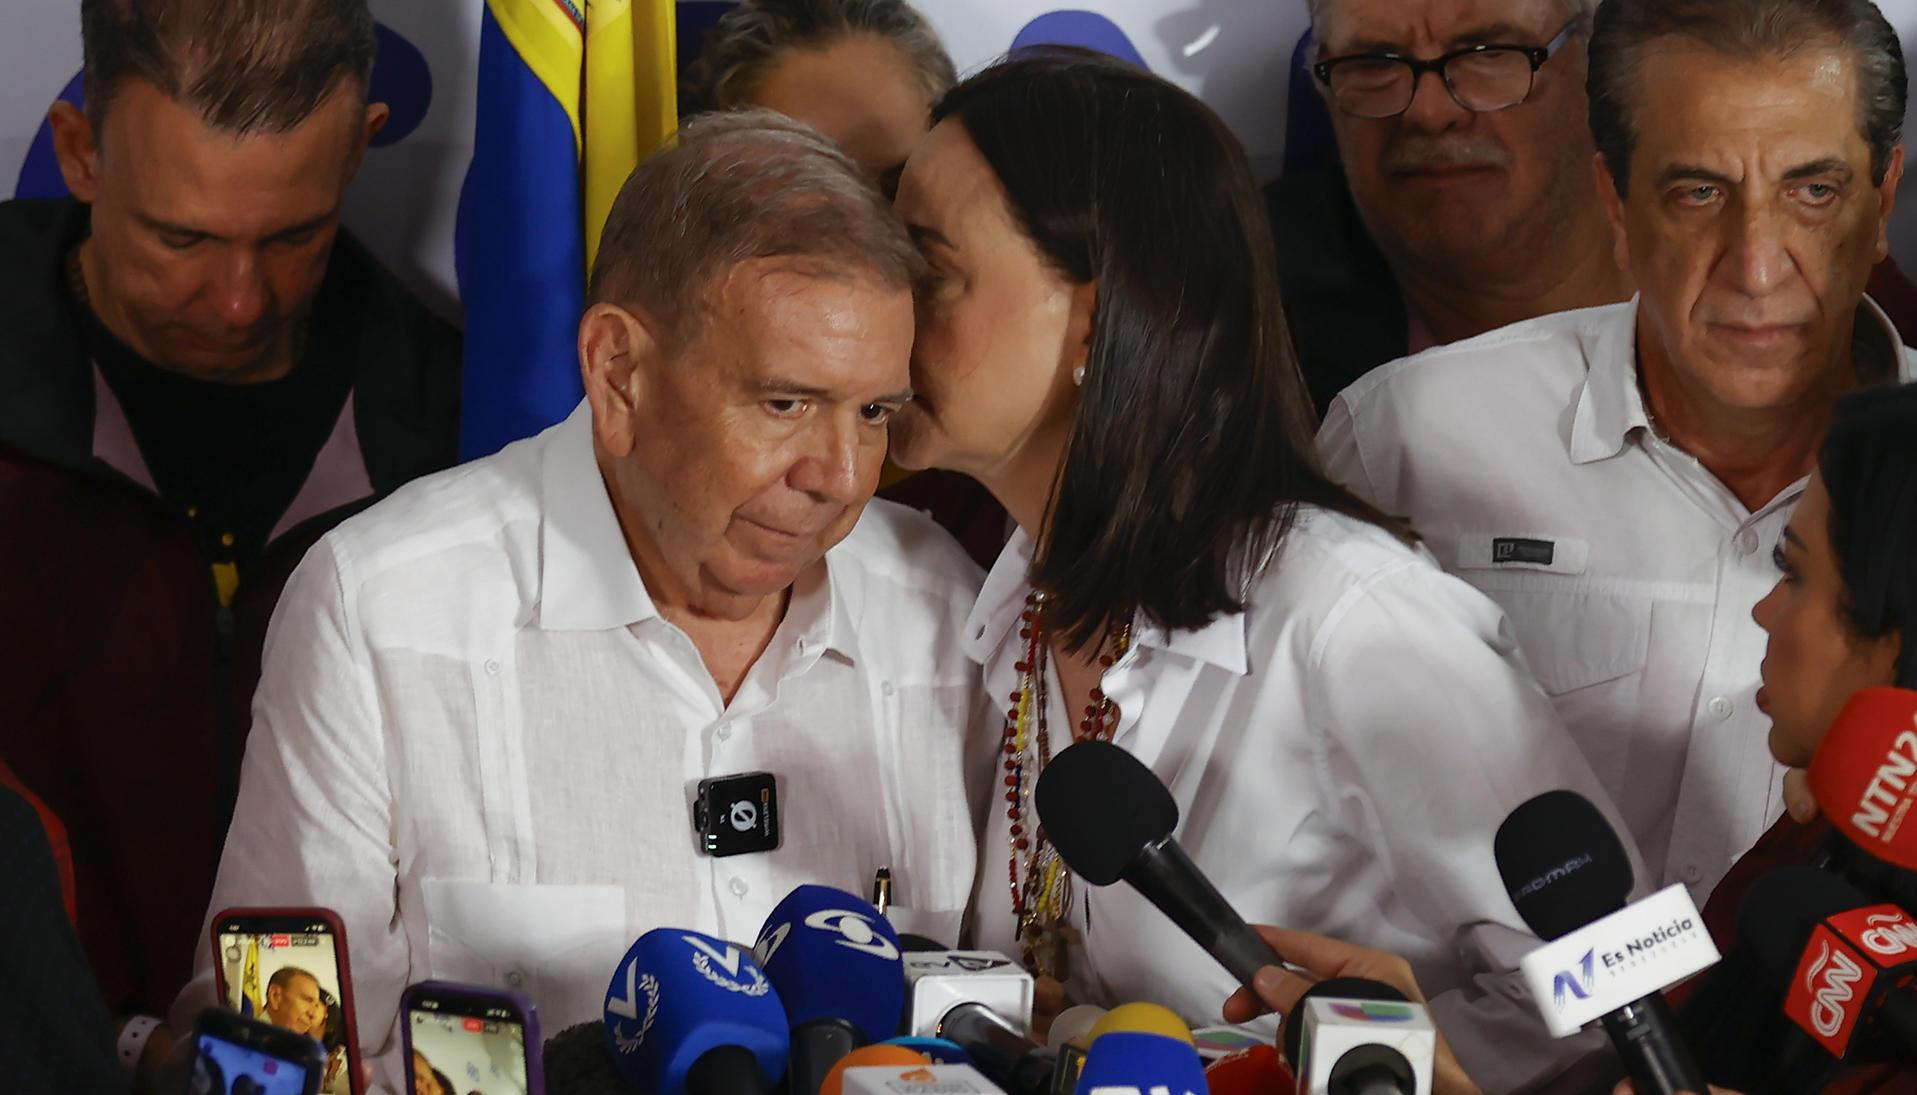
{"x": 237, "y": 1056}
{"x": 467, "y": 1041}
{"x": 286, "y": 972}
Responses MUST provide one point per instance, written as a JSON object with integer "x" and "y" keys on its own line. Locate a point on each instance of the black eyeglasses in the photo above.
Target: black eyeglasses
{"x": 1481, "y": 79}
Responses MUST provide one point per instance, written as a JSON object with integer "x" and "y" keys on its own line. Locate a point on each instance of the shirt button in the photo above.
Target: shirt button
{"x": 492, "y": 668}
{"x": 515, "y": 979}
{"x": 1722, "y": 707}
{"x": 725, "y": 733}
{"x": 1747, "y": 542}
{"x": 887, "y": 688}
{"x": 738, "y": 887}
{"x": 804, "y": 646}
{"x": 1692, "y": 873}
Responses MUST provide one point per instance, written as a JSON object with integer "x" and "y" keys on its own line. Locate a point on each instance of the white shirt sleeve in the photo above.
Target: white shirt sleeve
{"x": 1340, "y": 453}
{"x": 1431, "y": 731}
{"x": 313, "y": 821}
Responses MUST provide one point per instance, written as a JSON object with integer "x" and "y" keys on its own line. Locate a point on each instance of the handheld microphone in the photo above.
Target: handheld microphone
{"x": 1140, "y": 1018}
{"x": 936, "y": 1050}
{"x": 939, "y": 980}
{"x": 1074, "y": 1023}
{"x": 1000, "y": 1050}
{"x": 835, "y": 960}
{"x": 1255, "y": 1070}
{"x": 943, "y": 1079}
{"x": 687, "y": 1014}
{"x": 1124, "y": 1062}
{"x": 1864, "y": 774}
{"x": 1356, "y": 1036}
{"x": 883, "y": 1055}
{"x": 1569, "y": 877}
{"x": 1852, "y": 963}
{"x": 1110, "y": 819}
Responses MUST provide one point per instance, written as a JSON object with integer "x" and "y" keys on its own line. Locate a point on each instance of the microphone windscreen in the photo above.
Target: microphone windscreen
{"x": 1074, "y": 1022}
{"x": 939, "y": 1051}
{"x": 679, "y": 994}
{"x": 1864, "y": 774}
{"x": 1562, "y": 863}
{"x": 875, "y": 1056}
{"x": 833, "y": 955}
{"x": 1100, "y": 807}
{"x": 1255, "y": 1070}
{"x": 1131, "y": 1060}
{"x": 1140, "y": 1018}
{"x": 1331, "y": 988}
{"x": 1779, "y": 910}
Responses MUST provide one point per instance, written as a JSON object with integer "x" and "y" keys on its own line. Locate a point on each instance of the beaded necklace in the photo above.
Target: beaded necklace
{"x": 1042, "y": 889}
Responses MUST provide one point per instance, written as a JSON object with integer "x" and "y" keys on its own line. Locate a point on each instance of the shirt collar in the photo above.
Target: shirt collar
{"x": 1002, "y": 599}
{"x": 1611, "y": 405}
{"x": 587, "y": 578}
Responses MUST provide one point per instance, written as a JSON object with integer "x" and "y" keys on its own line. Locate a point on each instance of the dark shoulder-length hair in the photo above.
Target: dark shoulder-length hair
{"x": 1869, "y": 462}
{"x": 1190, "y": 451}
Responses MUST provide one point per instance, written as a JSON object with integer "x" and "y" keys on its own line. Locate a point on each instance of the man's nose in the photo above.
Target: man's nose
{"x": 1757, "y": 257}
{"x": 833, "y": 470}
{"x": 239, "y": 291}
{"x": 1432, "y": 107}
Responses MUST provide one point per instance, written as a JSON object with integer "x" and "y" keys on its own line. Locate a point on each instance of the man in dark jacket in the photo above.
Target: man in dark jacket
{"x": 199, "y": 374}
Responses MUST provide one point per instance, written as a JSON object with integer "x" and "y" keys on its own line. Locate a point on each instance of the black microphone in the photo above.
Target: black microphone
{"x": 1564, "y": 868}
{"x": 1111, "y": 819}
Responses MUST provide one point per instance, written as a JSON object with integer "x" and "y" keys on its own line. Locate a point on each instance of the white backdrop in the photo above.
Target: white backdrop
{"x": 1234, "y": 53}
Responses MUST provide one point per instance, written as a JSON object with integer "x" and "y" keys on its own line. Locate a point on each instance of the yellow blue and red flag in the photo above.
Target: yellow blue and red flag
{"x": 571, "y": 94}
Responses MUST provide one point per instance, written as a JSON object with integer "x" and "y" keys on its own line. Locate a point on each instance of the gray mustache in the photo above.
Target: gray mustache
{"x": 1418, "y": 154}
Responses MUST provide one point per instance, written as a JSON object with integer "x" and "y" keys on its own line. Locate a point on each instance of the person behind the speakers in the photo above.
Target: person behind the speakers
{"x": 293, "y": 1000}
{"x": 488, "y": 705}
{"x": 1343, "y": 725}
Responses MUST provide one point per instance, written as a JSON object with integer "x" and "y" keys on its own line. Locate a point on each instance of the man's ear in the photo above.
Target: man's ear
{"x": 1613, "y": 203}
{"x": 377, "y": 115}
{"x": 77, "y": 148}
{"x": 618, "y": 352}
{"x": 1887, "y": 200}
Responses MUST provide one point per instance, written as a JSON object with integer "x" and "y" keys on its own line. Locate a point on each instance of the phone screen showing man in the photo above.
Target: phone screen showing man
{"x": 466, "y": 1047}
{"x": 286, "y": 972}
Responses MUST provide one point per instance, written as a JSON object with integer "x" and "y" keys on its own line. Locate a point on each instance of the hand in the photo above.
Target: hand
{"x": 1798, "y": 798}
{"x": 1324, "y": 957}
{"x": 1048, "y": 999}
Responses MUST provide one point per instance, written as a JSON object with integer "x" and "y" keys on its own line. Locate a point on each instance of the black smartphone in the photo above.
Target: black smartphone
{"x": 464, "y": 1039}
{"x": 234, "y": 1055}
{"x": 288, "y": 967}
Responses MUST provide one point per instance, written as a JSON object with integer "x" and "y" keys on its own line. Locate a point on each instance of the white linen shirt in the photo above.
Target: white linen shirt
{"x": 1639, "y": 623}
{"x": 476, "y": 740}
{"x": 1342, "y": 754}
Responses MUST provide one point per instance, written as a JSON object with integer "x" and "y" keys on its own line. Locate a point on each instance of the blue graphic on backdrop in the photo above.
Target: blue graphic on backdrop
{"x": 401, "y": 79}
{"x": 1079, "y": 28}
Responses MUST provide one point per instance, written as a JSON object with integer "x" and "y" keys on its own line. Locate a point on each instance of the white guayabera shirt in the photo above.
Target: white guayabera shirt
{"x": 477, "y": 740}
{"x": 1527, "y": 459}
{"x": 1342, "y": 754}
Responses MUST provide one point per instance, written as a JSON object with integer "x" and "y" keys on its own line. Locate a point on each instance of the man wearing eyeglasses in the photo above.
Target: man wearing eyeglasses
{"x": 1463, "y": 198}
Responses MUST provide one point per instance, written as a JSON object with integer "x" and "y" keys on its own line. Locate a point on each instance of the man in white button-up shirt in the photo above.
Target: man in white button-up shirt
{"x": 487, "y": 702}
{"x": 1616, "y": 477}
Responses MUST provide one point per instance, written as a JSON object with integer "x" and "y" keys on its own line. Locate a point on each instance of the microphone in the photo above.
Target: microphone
{"x": 883, "y": 1055}
{"x": 1356, "y": 1036}
{"x": 1569, "y": 877}
{"x": 687, "y": 1014}
{"x": 1127, "y": 1061}
{"x": 1140, "y": 1018}
{"x": 937, "y": 1050}
{"x": 1851, "y": 961}
{"x": 834, "y": 959}
{"x": 939, "y": 980}
{"x": 1074, "y": 1023}
{"x": 1864, "y": 774}
{"x": 943, "y": 1079}
{"x": 1000, "y": 1050}
{"x": 1110, "y": 818}
{"x": 1254, "y": 1070}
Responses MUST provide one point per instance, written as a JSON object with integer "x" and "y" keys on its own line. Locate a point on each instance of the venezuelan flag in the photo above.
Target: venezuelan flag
{"x": 252, "y": 1000}
{"x": 571, "y": 94}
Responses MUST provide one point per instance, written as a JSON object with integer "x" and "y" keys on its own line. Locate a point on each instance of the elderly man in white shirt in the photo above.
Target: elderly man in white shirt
{"x": 488, "y": 702}
{"x": 1616, "y": 477}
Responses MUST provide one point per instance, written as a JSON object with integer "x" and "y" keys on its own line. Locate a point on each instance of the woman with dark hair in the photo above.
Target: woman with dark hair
{"x": 1342, "y": 725}
{"x": 1836, "y": 622}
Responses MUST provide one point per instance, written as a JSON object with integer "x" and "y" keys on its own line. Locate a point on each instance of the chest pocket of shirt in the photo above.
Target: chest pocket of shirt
{"x": 556, "y": 944}
{"x": 1588, "y": 648}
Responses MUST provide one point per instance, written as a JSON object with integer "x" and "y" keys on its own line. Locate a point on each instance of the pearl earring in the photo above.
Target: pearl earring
{"x": 1078, "y": 376}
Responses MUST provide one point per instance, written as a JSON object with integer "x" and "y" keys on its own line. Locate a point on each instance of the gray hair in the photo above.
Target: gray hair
{"x": 737, "y": 187}
{"x": 245, "y": 66}
{"x": 752, "y": 37}
{"x": 1580, "y": 9}
{"x": 1757, "y": 29}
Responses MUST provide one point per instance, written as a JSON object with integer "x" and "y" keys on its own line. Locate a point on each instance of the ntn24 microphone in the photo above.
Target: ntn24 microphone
{"x": 1864, "y": 774}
